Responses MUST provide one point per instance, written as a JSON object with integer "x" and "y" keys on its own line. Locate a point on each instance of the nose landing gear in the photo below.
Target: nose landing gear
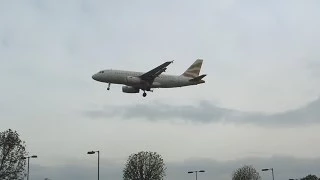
{"x": 144, "y": 94}
{"x": 108, "y": 86}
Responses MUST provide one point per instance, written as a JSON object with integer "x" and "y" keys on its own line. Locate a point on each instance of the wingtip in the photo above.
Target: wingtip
{"x": 170, "y": 61}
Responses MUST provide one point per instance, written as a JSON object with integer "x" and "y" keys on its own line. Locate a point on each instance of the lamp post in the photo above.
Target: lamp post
{"x": 93, "y": 152}
{"x": 28, "y": 157}
{"x": 190, "y": 172}
{"x": 268, "y": 170}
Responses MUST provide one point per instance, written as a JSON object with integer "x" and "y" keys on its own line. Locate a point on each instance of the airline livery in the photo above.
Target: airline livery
{"x": 135, "y": 81}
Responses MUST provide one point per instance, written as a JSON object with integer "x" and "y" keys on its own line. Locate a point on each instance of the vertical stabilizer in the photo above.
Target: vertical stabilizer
{"x": 194, "y": 70}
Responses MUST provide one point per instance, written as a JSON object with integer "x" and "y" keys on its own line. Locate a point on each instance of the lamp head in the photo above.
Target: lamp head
{"x": 91, "y": 152}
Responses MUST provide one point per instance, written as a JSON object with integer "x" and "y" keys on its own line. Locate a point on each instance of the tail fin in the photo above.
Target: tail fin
{"x": 194, "y": 70}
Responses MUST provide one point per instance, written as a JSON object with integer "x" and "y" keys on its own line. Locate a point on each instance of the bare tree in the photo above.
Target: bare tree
{"x": 144, "y": 166}
{"x": 246, "y": 173}
{"x": 12, "y": 150}
{"x": 310, "y": 177}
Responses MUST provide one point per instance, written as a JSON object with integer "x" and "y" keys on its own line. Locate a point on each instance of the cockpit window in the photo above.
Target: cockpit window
{"x": 101, "y": 72}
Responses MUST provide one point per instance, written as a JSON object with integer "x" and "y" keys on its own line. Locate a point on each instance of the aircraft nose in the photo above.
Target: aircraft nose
{"x": 94, "y": 76}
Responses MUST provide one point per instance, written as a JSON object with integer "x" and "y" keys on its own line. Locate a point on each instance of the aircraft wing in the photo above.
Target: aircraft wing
{"x": 152, "y": 74}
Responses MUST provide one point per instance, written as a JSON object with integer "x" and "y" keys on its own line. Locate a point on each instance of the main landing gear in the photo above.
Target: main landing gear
{"x": 144, "y": 92}
{"x": 108, "y": 86}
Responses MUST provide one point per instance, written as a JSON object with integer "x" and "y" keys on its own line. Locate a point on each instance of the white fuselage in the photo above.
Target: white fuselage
{"x": 162, "y": 81}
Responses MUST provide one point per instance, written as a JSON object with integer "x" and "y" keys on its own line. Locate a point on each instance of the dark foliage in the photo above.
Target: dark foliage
{"x": 246, "y": 173}
{"x": 12, "y": 150}
{"x": 144, "y": 166}
{"x": 310, "y": 177}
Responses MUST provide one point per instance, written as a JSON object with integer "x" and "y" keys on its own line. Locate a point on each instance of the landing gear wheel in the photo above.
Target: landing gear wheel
{"x": 144, "y": 94}
{"x": 108, "y": 86}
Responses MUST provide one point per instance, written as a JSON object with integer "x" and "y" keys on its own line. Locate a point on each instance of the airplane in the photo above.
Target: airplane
{"x": 135, "y": 81}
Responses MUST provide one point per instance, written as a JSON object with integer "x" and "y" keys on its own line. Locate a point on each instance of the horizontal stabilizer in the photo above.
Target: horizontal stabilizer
{"x": 198, "y": 78}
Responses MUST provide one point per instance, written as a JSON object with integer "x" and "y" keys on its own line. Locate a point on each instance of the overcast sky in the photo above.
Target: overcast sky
{"x": 259, "y": 104}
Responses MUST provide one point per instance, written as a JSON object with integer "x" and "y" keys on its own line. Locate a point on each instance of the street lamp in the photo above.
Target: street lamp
{"x": 28, "y": 157}
{"x": 93, "y": 152}
{"x": 268, "y": 170}
{"x": 190, "y": 172}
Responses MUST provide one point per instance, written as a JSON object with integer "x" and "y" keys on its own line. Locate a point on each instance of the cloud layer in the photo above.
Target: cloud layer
{"x": 206, "y": 112}
{"x": 284, "y": 168}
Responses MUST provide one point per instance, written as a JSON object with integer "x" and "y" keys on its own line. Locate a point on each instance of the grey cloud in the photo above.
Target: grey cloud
{"x": 4, "y": 42}
{"x": 206, "y": 112}
{"x": 314, "y": 67}
{"x": 160, "y": 111}
{"x": 284, "y": 168}
{"x": 79, "y": 171}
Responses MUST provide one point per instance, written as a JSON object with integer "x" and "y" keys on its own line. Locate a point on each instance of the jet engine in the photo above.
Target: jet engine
{"x": 131, "y": 80}
{"x": 130, "y": 89}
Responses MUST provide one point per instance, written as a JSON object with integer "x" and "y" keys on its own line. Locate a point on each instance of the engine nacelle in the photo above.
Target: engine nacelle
{"x": 130, "y": 89}
{"x": 131, "y": 80}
